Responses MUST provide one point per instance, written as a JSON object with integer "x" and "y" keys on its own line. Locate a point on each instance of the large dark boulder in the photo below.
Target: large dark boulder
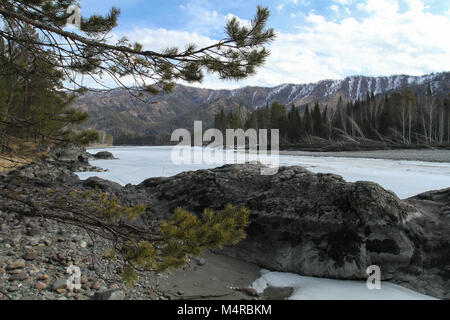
{"x": 319, "y": 224}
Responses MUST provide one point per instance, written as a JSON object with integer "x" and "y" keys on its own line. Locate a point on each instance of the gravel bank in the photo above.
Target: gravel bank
{"x": 410, "y": 155}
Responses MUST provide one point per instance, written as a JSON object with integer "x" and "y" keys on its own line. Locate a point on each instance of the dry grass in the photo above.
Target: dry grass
{"x": 20, "y": 153}
{"x": 8, "y": 163}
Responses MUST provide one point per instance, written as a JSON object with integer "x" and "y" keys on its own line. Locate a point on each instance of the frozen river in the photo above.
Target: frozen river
{"x": 405, "y": 178}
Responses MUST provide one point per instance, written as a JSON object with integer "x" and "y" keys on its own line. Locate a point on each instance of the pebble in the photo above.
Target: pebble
{"x": 18, "y": 277}
{"x": 43, "y": 277}
{"x": 33, "y": 232}
{"x": 15, "y": 271}
{"x": 60, "y": 284}
{"x": 40, "y": 286}
{"x": 16, "y": 265}
{"x": 31, "y": 255}
{"x": 201, "y": 262}
{"x": 33, "y": 269}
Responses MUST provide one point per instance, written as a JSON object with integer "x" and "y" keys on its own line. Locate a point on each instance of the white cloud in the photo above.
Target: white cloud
{"x": 159, "y": 39}
{"x": 382, "y": 42}
{"x": 334, "y": 8}
{"x": 343, "y": 2}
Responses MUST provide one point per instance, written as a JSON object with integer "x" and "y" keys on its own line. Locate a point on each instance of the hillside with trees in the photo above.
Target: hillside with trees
{"x": 150, "y": 119}
{"x": 400, "y": 118}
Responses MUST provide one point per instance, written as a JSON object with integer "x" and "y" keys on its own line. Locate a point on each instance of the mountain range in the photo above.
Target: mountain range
{"x": 118, "y": 113}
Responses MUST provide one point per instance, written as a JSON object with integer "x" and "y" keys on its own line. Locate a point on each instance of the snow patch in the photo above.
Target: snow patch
{"x": 358, "y": 90}
{"x": 276, "y": 91}
{"x": 254, "y": 95}
{"x": 334, "y": 87}
{"x": 294, "y": 89}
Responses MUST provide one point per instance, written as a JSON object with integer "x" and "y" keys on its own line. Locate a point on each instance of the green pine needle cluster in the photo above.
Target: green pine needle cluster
{"x": 183, "y": 236}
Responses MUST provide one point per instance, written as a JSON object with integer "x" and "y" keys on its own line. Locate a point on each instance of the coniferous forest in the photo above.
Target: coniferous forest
{"x": 397, "y": 118}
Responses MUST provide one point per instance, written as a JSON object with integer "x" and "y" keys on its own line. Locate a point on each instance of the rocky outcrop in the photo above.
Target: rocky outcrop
{"x": 104, "y": 155}
{"x": 319, "y": 224}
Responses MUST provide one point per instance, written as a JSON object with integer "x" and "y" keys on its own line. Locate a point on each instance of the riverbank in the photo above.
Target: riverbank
{"x": 426, "y": 155}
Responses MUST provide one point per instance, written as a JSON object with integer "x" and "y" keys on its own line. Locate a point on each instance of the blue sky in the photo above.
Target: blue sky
{"x": 317, "y": 39}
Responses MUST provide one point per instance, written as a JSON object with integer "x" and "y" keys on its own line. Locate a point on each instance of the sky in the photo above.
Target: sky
{"x": 316, "y": 39}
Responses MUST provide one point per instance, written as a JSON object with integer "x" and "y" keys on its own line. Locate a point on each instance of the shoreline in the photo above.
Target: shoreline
{"x": 425, "y": 155}
{"x": 440, "y": 156}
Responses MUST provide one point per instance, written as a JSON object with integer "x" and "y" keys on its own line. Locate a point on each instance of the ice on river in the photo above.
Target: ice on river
{"x": 405, "y": 178}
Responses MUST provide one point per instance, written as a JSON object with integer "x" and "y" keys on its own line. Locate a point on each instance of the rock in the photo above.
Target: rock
{"x": 86, "y": 286}
{"x": 13, "y": 289}
{"x": 248, "y": 291}
{"x": 33, "y": 232}
{"x": 98, "y": 284}
{"x": 43, "y": 277}
{"x": 60, "y": 284}
{"x": 33, "y": 269}
{"x": 319, "y": 224}
{"x": 40, "y": 286}
{"x": 18, "y": 277}
{"x": 15, "y": 271}
{"x": 180, "y": 292}
{"x": 70, "y": 153}
{"x": 16, "y": 265}
{"x": 31, "y": 255}
{"x": 104, "y": 155}
{"x": 115, "y": 294}
{"x": 103, "y": 184}
{"x": 83, "y": 244}
{"x": 272, "y": 293}
{"x": 201, "y": 262}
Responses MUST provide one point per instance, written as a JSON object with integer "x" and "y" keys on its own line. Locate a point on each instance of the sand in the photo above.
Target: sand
{"x": 212, "y": 281}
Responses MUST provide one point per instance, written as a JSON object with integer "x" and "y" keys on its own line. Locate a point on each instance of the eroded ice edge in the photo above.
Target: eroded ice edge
{"x": 309, "y": 288}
